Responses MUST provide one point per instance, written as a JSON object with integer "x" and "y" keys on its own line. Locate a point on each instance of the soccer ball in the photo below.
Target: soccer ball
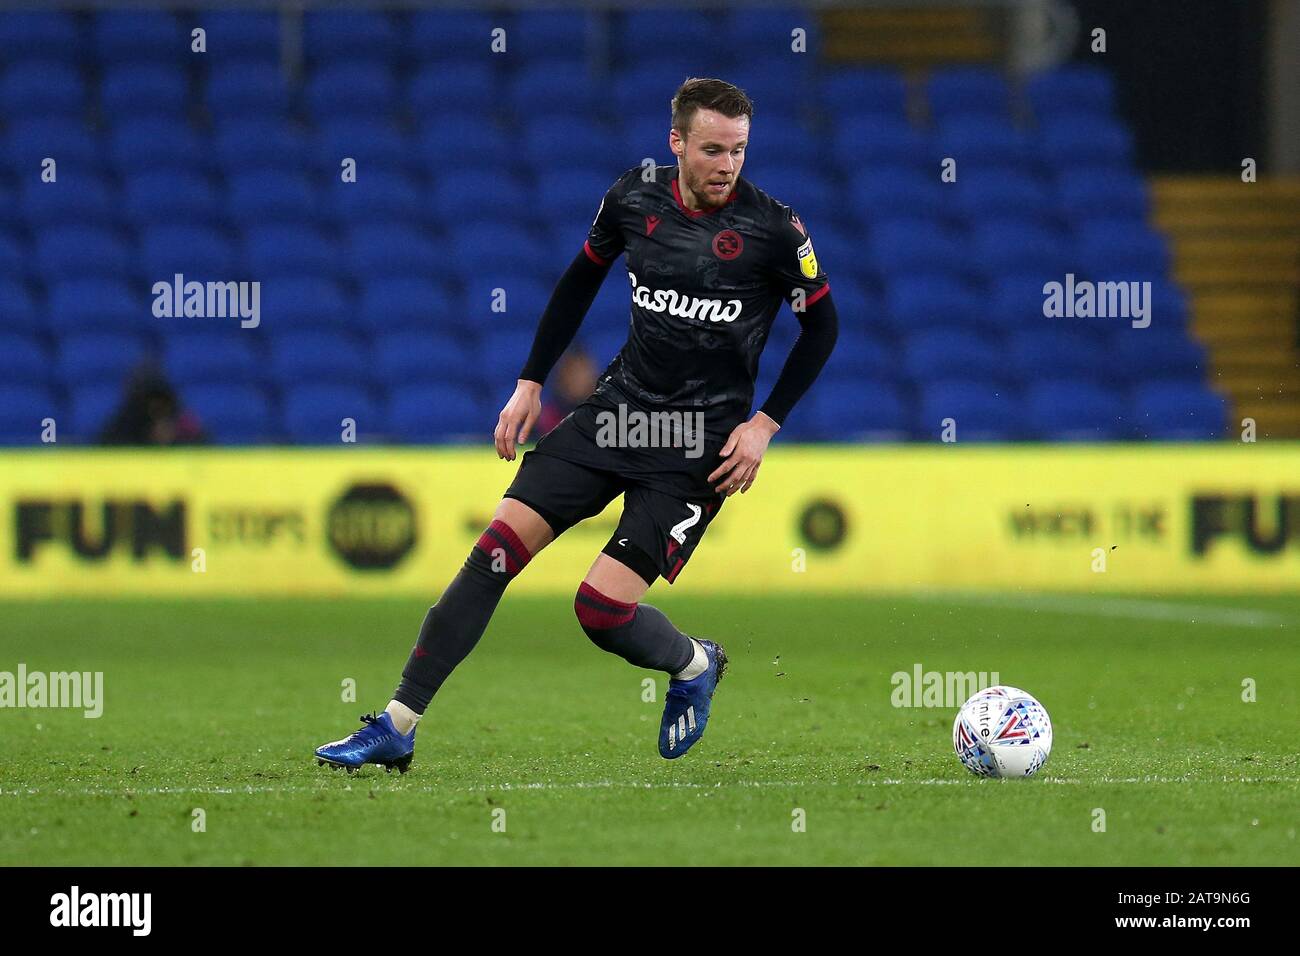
{"x": 1002, "y": 732}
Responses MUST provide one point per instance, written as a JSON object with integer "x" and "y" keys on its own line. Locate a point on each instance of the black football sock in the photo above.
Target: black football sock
{"x": 638, "y": 633}
{"x": 454, "y": 625}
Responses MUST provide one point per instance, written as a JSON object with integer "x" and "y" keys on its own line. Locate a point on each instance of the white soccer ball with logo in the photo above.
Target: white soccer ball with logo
{"x": 1002, "y": 732}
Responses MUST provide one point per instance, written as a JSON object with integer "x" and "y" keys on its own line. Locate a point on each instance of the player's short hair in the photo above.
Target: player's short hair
{"x": 699, "y": 93}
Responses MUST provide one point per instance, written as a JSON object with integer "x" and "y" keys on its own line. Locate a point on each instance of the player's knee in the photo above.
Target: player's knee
{"x": 601, "y": 616}
{"x": 499, "y": 550}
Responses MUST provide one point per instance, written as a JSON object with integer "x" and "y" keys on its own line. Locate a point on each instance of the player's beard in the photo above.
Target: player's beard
{"x": 700, "y": 188}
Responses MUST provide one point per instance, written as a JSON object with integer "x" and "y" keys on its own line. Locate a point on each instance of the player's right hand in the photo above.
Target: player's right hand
{"x": 518, "y": 418}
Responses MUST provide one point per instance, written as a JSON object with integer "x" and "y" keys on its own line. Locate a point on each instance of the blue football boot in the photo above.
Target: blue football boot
{"x": 686, "y": 707}
{"x": 377, "y": 742}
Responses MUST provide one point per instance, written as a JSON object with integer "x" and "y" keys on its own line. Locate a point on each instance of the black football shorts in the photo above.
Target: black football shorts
{"x": 667, "y": 503}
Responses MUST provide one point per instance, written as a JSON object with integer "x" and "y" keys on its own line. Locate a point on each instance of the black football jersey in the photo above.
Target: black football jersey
{"x": 705, "y": 288}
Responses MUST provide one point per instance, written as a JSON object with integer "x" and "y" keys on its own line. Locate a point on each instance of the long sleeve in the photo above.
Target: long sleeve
{"x": 565, "y": 311}
{"x": 819, "y": 330}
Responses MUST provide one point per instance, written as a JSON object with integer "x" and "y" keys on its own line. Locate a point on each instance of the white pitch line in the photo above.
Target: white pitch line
{"x": 628, "y": 785}
{"x": 1120, "y": 607}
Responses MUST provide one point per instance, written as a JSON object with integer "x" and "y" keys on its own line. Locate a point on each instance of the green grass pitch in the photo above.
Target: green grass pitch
{"x": 217, "y": 706}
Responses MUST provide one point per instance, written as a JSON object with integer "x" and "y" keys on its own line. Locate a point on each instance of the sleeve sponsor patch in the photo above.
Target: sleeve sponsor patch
{"x": 807, "y": 259}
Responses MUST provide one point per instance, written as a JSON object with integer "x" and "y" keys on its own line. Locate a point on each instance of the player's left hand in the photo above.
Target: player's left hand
{"x": 742, "y": 455}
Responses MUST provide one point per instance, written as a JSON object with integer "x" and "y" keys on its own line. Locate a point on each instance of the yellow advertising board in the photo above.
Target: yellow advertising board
{"x": 374, "y": 521}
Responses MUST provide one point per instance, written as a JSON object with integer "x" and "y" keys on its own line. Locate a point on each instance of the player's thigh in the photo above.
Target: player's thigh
{"x": 658, "y": 532}
{"x": 559, "y": 492}
{"x": 616, "y": 580}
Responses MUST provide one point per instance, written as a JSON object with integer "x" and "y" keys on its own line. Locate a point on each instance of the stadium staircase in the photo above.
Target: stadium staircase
{"x": 1236, "y": 250}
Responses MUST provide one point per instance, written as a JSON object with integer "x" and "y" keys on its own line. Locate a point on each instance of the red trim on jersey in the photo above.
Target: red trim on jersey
{"x": 696, "y": 213}
{"x": 817, "y": 295}
{"x": 586, "y": 247}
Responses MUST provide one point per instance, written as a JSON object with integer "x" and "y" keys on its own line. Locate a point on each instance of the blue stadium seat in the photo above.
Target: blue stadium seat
{"x": 266, "y": 196}
{"x": 444, "y": 36}
{"x": 524, "y": 300}
{"x": 549, "y": 35}
{"x": 982, "y": 411}
{"x": 13, "y": 256}
{"x": 289, "y": 249}
{"x": 232, "y": 413}
{"x": 952, "y": 352}
{"x": 404, "y": 302}
{"x": 376, "y": 252}
{"x": 1065, "y": 410}
{"x": 777, "y": 87}
{"x": 642, "y": 91}
{"x": 162, "y": 196}
{"x": 1173, "y": 411}
{"x": 135, "y": 36}
{"x": 816, "y": 198}
{"x": 882, "y": 140}
{"x": 501, "y": 354}
{"x": 444, "y": 137}
{"x": 432, "y": 412}
{"x": 782, "y": 141}
{"x": 290, "y": 303}
{"x": 136, "y": 89}
{"x": 243, "y": 145}
{"x": 110, "y": 305}
{"x": 849, "y": 409}
{"x": 212, "y": 358}
{"x": 980, "y": 140}
{"x": 64, "y": 252}
{"x": 538, "y": 87}
{"x": 1102, "y": 193}
{"x": 49, "y": 35}
{"x": 150, "y": 142}
{"x": 313, "y": 357}
{"x": 485, "y": 191}
{"x": 27, "y": 142}
{"x": 377, "y": 196}
{"x": 898, "y": 247}
{"x": 1057, "y": 351}
{"x": 913, "y": 303}
{"x": 375, "y": 144}
{"x": 344, "y": 35}
{"x": 1005, "y": 246}
{"x": 1016, "y": 301}
{"x": 992, "y": 192}
{"x": 84, "y": 198}
{"x": 641, "y": 35}
{"x": 89, "y": 409}
{"x": 244, "y": 90}
{"x": 1071, "y": 90}
{"x": 571, "y": 195}
{"x": 97, "y": 358}
{"x": 479, "y": 244}
{"x": 40, "y": 89}
{"x": 197, "y": 252}
{"x": 17, "y": 308}
{"x": 549, "y": 139}
{"x": 1155, "y": 355}
{"x": 967, "y": 91}
{"x": 23, "y": 360}
{"x": 1119, "y": 247}
{"x": 351, "y": 89}
{"x": 423, "y": 356}
{"x": 22, "y": 409}
{"x": 436, "y": 87}
{"x": 313, "y": 414}
{"x": 898, "y": 191}
{"x": 856, "y": 355}
{"x": 242, "y": 36}
{"x": 1085, "y": 141}
{"x": 877, "y": 91}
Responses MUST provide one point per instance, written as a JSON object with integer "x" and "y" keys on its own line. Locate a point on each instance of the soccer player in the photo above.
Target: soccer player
{"x": 710, "y": 258}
